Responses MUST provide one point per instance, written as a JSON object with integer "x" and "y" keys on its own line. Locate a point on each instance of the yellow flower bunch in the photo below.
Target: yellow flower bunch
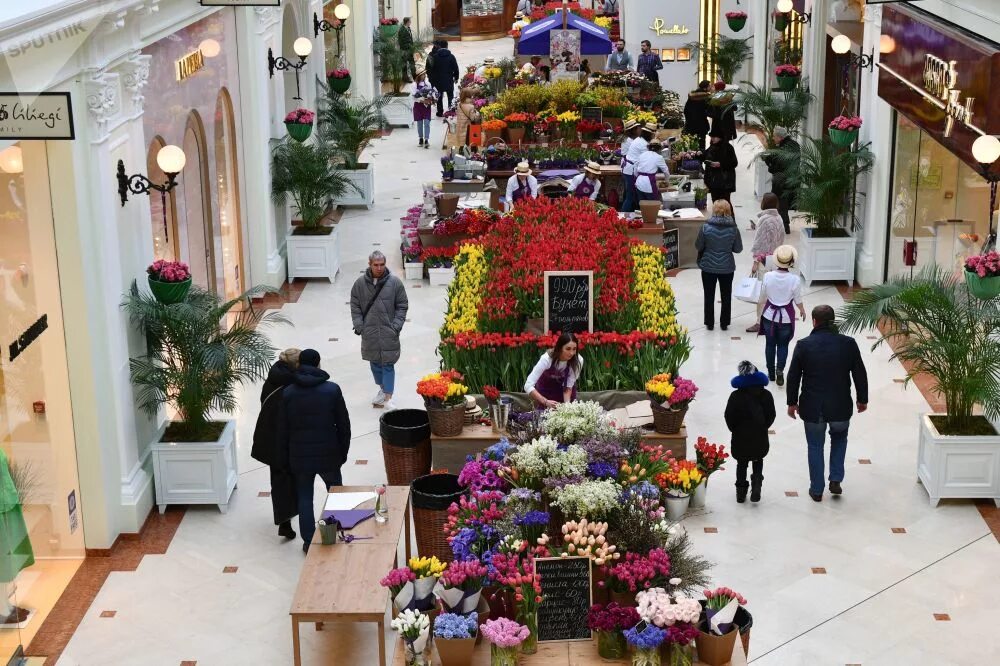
{"x": 466, "y": 290}
{"x": 568, "y": 117}
{"x": 642, "y": 117}
{"x": 660, "y": 386}
{"x": 653, "y": 291}
{"x": 492, "y": 111}
{"x": 492, "y": 72}
{"x": 603, "y": 21}
{"x": 427, "y": 566}
{"x": 688, "y": 479}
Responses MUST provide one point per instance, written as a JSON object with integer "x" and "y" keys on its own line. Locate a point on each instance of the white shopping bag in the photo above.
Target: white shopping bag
{"x": 748, "y": 289}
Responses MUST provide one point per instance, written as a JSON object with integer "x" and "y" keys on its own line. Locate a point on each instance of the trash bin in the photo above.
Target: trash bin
{"x": 430, "y": 496}
{"x": 406, "y": 445}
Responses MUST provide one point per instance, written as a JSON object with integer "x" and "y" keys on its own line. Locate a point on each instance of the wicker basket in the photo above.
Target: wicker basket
{"x": 447, "y": 421}
{"x": 431, "y": 495}
{"x": 665, "y": 421}
{"x": 406, "y": 445}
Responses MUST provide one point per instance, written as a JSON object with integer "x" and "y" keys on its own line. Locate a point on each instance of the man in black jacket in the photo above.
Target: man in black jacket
{"x": 824, "y": 363}
{"x": 405, "y": 38}
{"x": 696, "y": 113}
{"x": 315, "y": 431}
{"x": 780, "y": 184}
{"x": 442, "y": 72}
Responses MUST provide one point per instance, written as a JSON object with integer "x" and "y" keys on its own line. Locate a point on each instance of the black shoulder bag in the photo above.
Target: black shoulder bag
{"x": 378, "y": 290}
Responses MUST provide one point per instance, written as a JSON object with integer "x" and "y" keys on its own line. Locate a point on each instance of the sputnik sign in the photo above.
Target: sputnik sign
{"x": 44, "y": 116}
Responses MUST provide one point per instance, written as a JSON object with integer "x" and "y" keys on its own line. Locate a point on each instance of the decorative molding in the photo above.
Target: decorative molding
{"x": 134, "y": 77}
{"x": 148, "y": 8}
{"x": 103, "y": 103}
{"x": 873, "y": 13}
{"x": 111, "y": 23}
{"x": 266, "y": 17}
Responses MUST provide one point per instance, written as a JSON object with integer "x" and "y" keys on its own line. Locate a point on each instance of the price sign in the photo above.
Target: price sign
{"x": 569, "y": 301}
{"x": 671, "y": 249}
{"x": 566, "y": 596}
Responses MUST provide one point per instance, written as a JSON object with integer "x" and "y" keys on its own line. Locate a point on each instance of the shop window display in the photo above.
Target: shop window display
{"x": 938, "y": 202}
{"x": 41, "y": 530}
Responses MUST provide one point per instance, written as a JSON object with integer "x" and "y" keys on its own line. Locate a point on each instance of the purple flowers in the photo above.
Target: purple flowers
{"x": 602, "y": 470}
{"x": 481, "y": 474}
{"x": 611, "y": 617}
{"x": 504, "y": 633}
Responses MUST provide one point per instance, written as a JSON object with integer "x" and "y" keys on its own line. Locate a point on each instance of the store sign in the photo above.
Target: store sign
{"x": 660, "y": 28}
{"x": 671, "y": 249}
{"x": 25, "y": 339}
{"x": 187, "y": 66}
{"x": 240, "y": 3}
{"x": 940, "y": 79}
{"x": 45, "y": 116}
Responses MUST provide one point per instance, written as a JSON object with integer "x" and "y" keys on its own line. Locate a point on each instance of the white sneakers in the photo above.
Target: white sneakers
{"x": 379, "y": 399}
{"x": 391, "y": 404}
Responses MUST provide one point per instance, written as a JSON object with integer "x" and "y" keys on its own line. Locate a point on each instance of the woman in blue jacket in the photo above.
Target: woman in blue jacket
{"x": 718, "y": 240}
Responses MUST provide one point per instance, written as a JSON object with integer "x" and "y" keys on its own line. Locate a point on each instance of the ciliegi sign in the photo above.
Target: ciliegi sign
{"x": 44, "y": 116}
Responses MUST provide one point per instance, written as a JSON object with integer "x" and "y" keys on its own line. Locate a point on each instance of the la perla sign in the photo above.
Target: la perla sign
{"x": 940, "y": 80}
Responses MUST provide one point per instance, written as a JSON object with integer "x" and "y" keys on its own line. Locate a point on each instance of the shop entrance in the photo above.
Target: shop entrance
{"x": 194, "y": 189}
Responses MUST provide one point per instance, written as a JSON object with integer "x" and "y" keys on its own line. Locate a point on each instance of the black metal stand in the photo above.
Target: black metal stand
{"x": 282, "y": 64}
{"x": 139, "y": 184}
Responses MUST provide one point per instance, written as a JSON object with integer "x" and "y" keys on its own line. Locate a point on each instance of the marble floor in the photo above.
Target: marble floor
{"x": 877, "y": 577}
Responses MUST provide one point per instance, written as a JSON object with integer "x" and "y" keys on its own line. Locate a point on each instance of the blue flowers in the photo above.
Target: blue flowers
{"x": 532, "y": 518}
{"x": 649, "y": 639}
{"x": 461, "y": 544}
{"x": 499, "y": 450}
{"x": 644, "y": 490}
{"x": 454, "y": 626}
{"x": 602, "y": 470}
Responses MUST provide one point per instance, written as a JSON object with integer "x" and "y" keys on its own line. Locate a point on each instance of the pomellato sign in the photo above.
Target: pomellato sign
{"x": 660, "y": 28}
{"x": 44, "y": 116}
{"x": 940, "y": 79}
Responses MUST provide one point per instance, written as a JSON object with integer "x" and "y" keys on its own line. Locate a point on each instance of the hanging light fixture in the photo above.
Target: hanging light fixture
{"x": 986, "y": 151}
{"x": 170, "y": 159}
{"x": 302, "y": 47}
{"x": 841, "y": 45}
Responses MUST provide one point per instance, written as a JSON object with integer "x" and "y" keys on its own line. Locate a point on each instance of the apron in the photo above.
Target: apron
{"x": 583, "y": 190}
{"x": 522, "y": 191}
{"x": 552, "y": 382}
{"x": 775, "y": 311}
{"x": 651, "y": 177}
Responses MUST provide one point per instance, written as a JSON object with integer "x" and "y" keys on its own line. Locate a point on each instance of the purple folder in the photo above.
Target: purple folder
{"x": 348, "y": 518}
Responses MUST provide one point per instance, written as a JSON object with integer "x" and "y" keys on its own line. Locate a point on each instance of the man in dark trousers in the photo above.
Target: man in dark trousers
{"x": 442, "y": 72}
{"x": 823, "y": 364}
{"x": 405, "y": 37}
{"x": 696, "y": 113}
{"x": 315, "y": 430}
{"x": 780, "y": 184}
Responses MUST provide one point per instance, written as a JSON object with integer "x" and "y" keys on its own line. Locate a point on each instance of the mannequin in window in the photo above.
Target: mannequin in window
{"x": 15, "y": 546}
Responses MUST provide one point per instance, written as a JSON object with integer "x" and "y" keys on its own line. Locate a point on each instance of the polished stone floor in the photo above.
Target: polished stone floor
{"x": 876, "y": 577}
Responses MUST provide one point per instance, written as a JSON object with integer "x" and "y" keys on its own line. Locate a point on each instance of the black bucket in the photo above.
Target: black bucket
{"x": 405, "y": 427}
{"x": 431, "y": 495}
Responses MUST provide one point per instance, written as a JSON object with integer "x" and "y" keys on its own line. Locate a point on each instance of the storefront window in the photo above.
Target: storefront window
{"x": 41, "y": 530}
{"x": 938, "y": 202}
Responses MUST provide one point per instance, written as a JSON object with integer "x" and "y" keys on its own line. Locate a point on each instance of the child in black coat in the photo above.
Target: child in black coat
{"x": 749, "y": 413}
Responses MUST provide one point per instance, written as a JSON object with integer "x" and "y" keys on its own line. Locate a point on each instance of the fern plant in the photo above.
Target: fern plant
{"x": 192, "y": 362}
{"x": 766, "y": 110}
{"x": 307, "y": 173}
{"x": 724, "y": 54}
{"x": 939, "y": 329}
{"x": 349, "y": 125}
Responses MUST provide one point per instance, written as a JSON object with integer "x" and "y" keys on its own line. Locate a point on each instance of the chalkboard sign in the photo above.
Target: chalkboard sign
{"x": 569, "y": 301}
{"x": 592, "y": 113}
{"x": 566, "y": 594}
{"x": 671, "y": 248}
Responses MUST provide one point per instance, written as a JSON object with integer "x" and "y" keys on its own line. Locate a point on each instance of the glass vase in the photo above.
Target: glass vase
{"x": 413, "y": 657}
{"x": 530, "y": 620}
{"x": 679, "y": 655}
{"x": 611, "y": 644}
{"x": 649, "y": 657}
{"x": 503, "y": 656}
{"x": 381, "y": 504}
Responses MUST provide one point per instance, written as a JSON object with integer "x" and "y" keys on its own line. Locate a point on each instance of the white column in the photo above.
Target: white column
{"x": 760, "y": 24}
{"x": 814, "y": 64}
{"x": 359, "y": 36}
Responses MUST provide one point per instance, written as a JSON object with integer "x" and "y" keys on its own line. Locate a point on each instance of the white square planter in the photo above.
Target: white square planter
{"x": 196, "y": 472}
{"x": 313, "y": 256}
{"x": 364, "y": 180}
{"x": 826, "y": 258}
{"x": 958, "y": 466}
{"x": 441, "y": 277}
{"x": 414, "y": 271}
{"x": 399, "y": 111}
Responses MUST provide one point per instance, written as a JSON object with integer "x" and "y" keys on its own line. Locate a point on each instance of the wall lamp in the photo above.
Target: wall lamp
{"x": 785, "y": 7}
{"x": 341, "y": 13}
{"x": 986, "y": 151}
{"x": 841, "y": 44}
{"x": 170, "y": 159}
{"x": 302, "y": 46}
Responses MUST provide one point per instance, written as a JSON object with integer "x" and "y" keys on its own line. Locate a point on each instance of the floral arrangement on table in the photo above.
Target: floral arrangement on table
{"x": 671, "y": 113}
{"x": 515, "y": 571}
{"x": 438, "y": 257}
{"x": 492, "y": 111}
{"x": 505, "y": 637}
{"x": 588, "y": 127}
{"x": 461, "y": 585}
{"x": 681, "y": 479}
{"x": 412, "y": 586}
{"x": 442, "y": 389}
{"x": 676, "y": 615}
{"x": 519, "y": 119}
{"x": 414, "y": 628}
{"x": 720, "y": 599}
{"x": 983, "y": 265}
{"x": 162, "y": 270}
{"x": 471, "y": 269}
{"x": 642, "y": 117}
{"x": 710, "y": 457}
{"x": 496, "y": 126}
{"x": 609, "y": 624}
{"x": 468, "y": 221}
{"x": 300, "y": 117}
{"x": 455, "y": 626}
{"x": 412, "y": 252}
{"x": 671, "y": 392}
{"x": 846, "y": 123}
{"x": 788, "y": 70}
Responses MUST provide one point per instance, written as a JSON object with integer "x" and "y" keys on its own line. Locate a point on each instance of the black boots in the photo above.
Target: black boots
{"x": 781, "y": 378}
{"x": 285, "y": 530}
{"x": 755, "y": 482}
{"x": 741, "y": 491}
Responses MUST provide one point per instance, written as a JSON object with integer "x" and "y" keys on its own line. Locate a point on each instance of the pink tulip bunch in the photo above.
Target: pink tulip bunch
{"x": 467, "y": 575}
{"x": 721, "y": 596}
{"x": 162, "y": 270}
{"x": 504, "y": 633}
{"x": 639, "y": 572}
{"x": 397, "y": 579}
{"x": 845, "y": 123}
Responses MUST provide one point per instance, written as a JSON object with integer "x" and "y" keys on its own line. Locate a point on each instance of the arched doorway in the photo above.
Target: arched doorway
{"x": 228, "y": 229}
{"x": 162, "y": 208}
{"x": 194, "y": 188}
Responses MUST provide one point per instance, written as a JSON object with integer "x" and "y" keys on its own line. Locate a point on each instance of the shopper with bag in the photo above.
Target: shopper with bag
{"x": 770, "y": 235}
{"x": 466, "y": 115}
{"x": 781, "y": 292}
{"x": 718, "y": 240}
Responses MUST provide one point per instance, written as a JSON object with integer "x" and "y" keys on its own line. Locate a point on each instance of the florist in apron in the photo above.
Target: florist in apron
{"x": 553, "y": 379}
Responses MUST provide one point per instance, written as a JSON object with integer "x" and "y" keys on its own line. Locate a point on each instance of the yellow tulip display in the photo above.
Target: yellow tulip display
{"x": 655, "y": 296}
{"x": 466, "y": 291}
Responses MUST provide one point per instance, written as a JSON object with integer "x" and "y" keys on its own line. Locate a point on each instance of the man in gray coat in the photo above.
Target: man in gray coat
{"x": 378, "y": 311}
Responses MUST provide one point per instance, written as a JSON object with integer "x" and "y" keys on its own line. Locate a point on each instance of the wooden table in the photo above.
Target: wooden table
{"x": 462, "y": 186}
{"x": 687, "y": 234}
{"x": 580, "y": 653}
{"x": 448, "y": 453}
{"x": 340, "y": 582}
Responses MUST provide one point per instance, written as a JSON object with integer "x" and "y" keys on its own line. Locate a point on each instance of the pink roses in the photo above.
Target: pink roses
{"x": 162, "y": 270}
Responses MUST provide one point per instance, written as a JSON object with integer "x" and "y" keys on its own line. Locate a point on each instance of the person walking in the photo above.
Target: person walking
{"x": 769, "y": 236}
{"x": 424, "y": 96}
{"x": 284, "y": 495}
{"x": 780, "y": 182}
{"x": 823, "y": 365}
{"x": 718, "y": 240}
{"x": 405, "y": 39}
{"x": 649, "y": 63}
{"x": 314, "y": 429}
{"x": 780, "y": 293}
{"x": 749, "y": 414}
{"x": 443, "y": 73}
{"x": 696, "y": 113}
{"x": 465, "y": 116}
{"x": 378, "y": 312}
{"x": 720, "y": 167}
{"x": 620, "y": 60}
{"x": 650, "y": 164}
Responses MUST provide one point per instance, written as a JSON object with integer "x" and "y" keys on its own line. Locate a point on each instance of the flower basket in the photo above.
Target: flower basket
{"x": 455, "y": 651}
{"x": 786, "y": 83}
{"x": 389, "y": 30}
{"x": 515, "y": 134}
{"x": 431, "y": 495}
{"x": 169, "y": 293}
{"x": 406, "y": 445}
{"x": 780, "y": 22}
{"x": 715, "y": 650}
{"x": 983, "y": 288}
{"x": 842, "y": 138}
{"x": 340, "y": 85}
{"x": 447, "y": 421}
{"x": 299, "y": 131}
{"x": 736, "y": 23}
{"x": 668, "y": 421}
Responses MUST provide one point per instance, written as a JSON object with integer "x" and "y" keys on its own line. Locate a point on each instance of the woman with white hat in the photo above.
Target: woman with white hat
{"x": 781, "y": 294}
{"x": 521, "y": 185}
{"x": 650, "y": 164}
{"x": 587, "y": 184}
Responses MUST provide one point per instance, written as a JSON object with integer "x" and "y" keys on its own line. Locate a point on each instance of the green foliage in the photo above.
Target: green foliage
{"x": 306, "y": 171}
{"x": 726, "y": 54}
{"x": 350, "y": 124}
{"x": 939, "y": 329}
{"x": 392, "y": 61}
{"x": 768, "y": 109}
{"x": 563, "y": 94}
{"x": 527, "y": 98}
{"x": 193, "y": 362}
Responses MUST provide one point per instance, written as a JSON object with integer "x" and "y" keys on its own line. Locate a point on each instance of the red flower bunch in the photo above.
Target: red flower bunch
{"x": 389, "y": 21}
{"x": 474, "y": 511}
{"x": 338, "y": 73}
{"x": 491, "y": 393}
{"x": 845, "y": 123}
{"x": 162, "y": 270}
{"x": 587, "y": 125}
{"x": 787, "y": 70}
{"x": 680, "y": 633}
{"x": 611, "y": 617}
{"x": 519, "y": 119}
{"x": 626, "y": 343}
{"x": 710, "y": 456}
{"x": 984, "y": 265}
{"x": 467, "y": 575}
{"x": 720, "y": 597}
{"x": 471, "y": 221}
{"x": 639, "y": 572}
{"x": 300, "y": 117}
{"x": 438, "y": 257}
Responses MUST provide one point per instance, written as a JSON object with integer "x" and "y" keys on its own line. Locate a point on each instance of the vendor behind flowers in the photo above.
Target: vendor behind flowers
{"x": 553, "y": 379}
{"x": 521, "y": 185}
{"x": 586, "y": 185}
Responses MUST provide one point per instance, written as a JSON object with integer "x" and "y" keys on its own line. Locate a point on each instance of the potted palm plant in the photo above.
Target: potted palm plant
{"x": 727, "y": 54}
{"x": 392, "y": 63}
{"x": 349, "y": 126}
{"x": 766, "y": 110}
{"x": 939, "y": 329}
{"x": 307, "y": 174}
{"x": 824, "y": 177}
{"x": 195, "y": 366}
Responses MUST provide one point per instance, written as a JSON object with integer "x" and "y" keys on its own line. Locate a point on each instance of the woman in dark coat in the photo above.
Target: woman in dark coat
{"x": 720, "y": 166}
{"x": 284, "y": 498}
{"x": 749, "y": 413}
{"x": 696, "y": 113}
